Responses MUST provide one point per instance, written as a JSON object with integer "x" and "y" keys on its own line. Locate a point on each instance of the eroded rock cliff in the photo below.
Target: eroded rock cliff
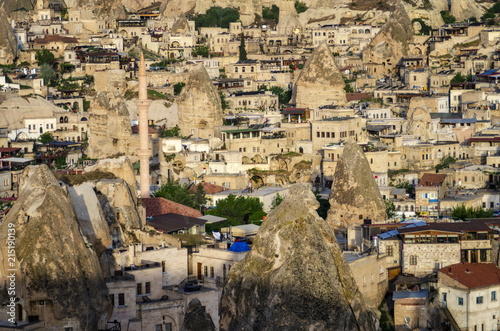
{"x": 320, "y": 82}
{"x": 295, "y": 277}
{"x": 200, "y": 109}
{"x": 54, "y": 262}
{"x": 355, "y": 194}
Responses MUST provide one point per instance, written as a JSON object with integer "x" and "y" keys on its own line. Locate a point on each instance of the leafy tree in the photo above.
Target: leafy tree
{"x": 199, "y": 196}
{"x": 239, "y": 210}
{"x": 410, "y": 189}
{"x": 178, "y": 88}
{"x": 217, "y": 16}
{"x": 459, "y": 78}
{"x": 447, "y": 17}
{"x": 47, "y": 73}
{"x": 44, "y": 56}
{"x": 390, "y": 208}
{"x": 24, "y": 64}
{"x": 276, "y": 201}
{"x": 348, "y": 88}
{"x": 88, "y": 79}
{"x": 284, "y": 96}
{"x": 445, "y": 162}
{"x": 46, "y": 138}
{"x": 223, "y": 101}
{"x": 201, "y": 50}
{"x": 472, "y": 19}
{"x": 271, "y": 13}
{"x": 173, "y": 132}
{"x": 172, "y": 190}
{"x": 300, "y": 7}
{"x": 461, "y": 212}
{"x": 243, "y": 51}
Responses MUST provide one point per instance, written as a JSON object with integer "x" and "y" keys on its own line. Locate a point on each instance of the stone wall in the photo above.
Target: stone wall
{"x": 428, "y": 256}
{"x": 415, "y": 309}
{"x": 176, "y": 268}
{"x": 217, "y": 259}
{"x": 370, "y": 275}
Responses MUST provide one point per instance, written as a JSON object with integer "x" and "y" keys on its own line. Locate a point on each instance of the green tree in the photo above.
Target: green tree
{"x": 300, "y": 7}
{"x": 199, "y": 196}
{"x": 459, "y": 78}
{"x": 284, "y": 96}
{"x": 410, "y": 189}
{"x": 46, "y": 138}
{"x": 44, "y": 56}
{"x": 173, "y": 132}
{"x": 390, "y": 209}
{"x": 176, "y": 192}
{"x": 217, "y": 16}
{"x": 201, "y": 50}
{"x": 178, "y": 88}
{"x": 243, "y": 51}
{"x": 445, "y": 162}
{"x": 223, "y": 101}
{"x": 276, "y": 201}
{"x": 461, "y": 212}
{"x": 239, "y": 210}
{"x": 447, "y": 17}
{"x": 47, "y": 73}
{"x": 271, "y": 13}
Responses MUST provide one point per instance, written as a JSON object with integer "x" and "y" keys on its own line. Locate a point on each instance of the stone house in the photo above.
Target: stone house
{"x": 335, "y": 130}
{"x": 470, "y": 292}
{"x": 410, "y": 309}
{"x": 370, "y": 274}
{"x": 430, "y": 189}
{"x": 213, "y": 263}
{"x": 433, "y": 246}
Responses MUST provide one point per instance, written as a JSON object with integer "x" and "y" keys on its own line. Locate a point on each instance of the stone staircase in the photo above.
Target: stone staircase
{"x": 450, "y": 318}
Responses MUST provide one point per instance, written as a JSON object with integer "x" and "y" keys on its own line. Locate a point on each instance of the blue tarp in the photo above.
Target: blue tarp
{"x": 239, "y": 246}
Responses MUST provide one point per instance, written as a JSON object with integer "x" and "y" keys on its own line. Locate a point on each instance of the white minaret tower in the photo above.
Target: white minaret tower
{"x": 142, "y": 108}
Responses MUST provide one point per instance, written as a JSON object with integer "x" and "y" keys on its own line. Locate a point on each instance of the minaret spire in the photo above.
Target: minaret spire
{"x": 142, "y": 108}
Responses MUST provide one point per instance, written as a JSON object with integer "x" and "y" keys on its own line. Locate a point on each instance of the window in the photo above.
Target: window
{"x": 139, "y": 288}
{"x": 163, "y": 266}
{"x": 493, "y": 295}
{"x": 389, "y": 250}
{"x": 121, "y": 299}
{"x": 206, "y": 271}
{"x": 460, "y": 301}
{"x": 212, "y": 272}
{"x": 159, "y": 327}
{"x": 413, "y": 260}
{"x": 112, "y": 299}
{"x": 148, "y": 287}
{"x": 479, "y": 300}
{"x": 317, "y": 134}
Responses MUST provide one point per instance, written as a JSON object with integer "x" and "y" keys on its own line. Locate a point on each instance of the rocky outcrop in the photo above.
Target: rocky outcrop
{"x": 391, "y": 43}
{"x": 90, "y": 216}
{"x": 295, "y": 277}
{"x": 116, "y": 193}
{"x": 13, "y": 111}
{"x": 355, "y": 195}
{"x": 54, "y": 262}
{"x": 200, "y": 109}
{"x": 197, "y": 318}
{"x": 120, "y": 167}
{"x": 110, "y": 131}
{"x": 8, "y": 42}
{"x": 320, "y": 82}
{"x": 418, "y": 123}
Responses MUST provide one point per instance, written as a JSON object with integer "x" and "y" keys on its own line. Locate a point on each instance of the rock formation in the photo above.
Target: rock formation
{"x": 355, "y": 195}
{"x": 120, "y": 167}
{"x": 13, "y": 111}
{"x": 200, "y": 107}
{"x": 109, "y": 128}
{"x": 295, "y": 277}
{"x": 320, "y": 82}
{"x": 418, "y": 123}
{"x": 90, "y": 216}
{"x": 197, "y": 318}
{"x": 8, "y": 42}
{"x": 54, "y": 262}
{"x": 391, "y": 43}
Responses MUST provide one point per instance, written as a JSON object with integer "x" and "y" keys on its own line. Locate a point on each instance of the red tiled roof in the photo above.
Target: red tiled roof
{"x": 9, "y": 149}
{"x": 432, "y": 179}
{"x": 208, "y": 188}
{"x": 135, "y": 130}
{"x": 56, "y": 38}
{"x": 160, "y": 206}
{"x": 473, "y": 139}
{"x": 473, "y": 275}
{"x": 357, "y": 96}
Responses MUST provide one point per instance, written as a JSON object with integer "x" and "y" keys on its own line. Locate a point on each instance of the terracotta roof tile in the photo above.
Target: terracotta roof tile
{"x": 208, "y": 188}
{"x": 432, "y": 179}
{"x": 160, "y": 206}
{"x": 473, "y": 275}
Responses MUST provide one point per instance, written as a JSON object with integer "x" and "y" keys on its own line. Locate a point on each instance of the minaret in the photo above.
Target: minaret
{"x": 142, "y": 108}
